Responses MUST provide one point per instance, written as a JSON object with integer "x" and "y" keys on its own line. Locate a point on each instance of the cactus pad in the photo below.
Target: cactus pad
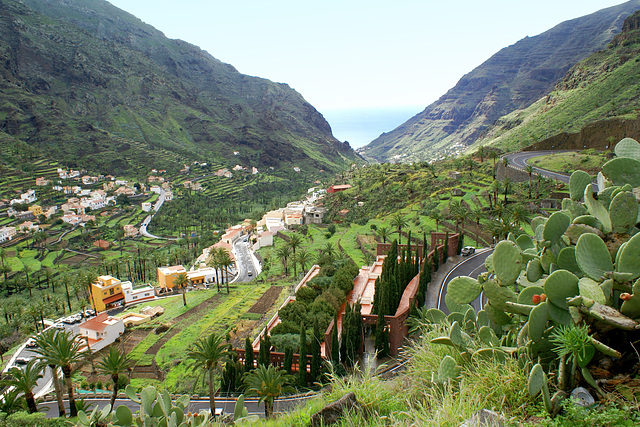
{"x": 525, "y": 295}
{"x": 538, "y": 318}
{"x": 498, "y": 295}
{"x": 567, "y": 260}
{"x": 591, "y": 289}
{"x": 525, "y": 242}
{"x": 560, "y": 285}
{"x": 576, "y": 230}
{"x": 597, "y": 209}
{"x": 593, "y": 256}
{"x": 622, "y": 170}
{"x": 555, "y": 227}
{"x": 629, "y": 148}
{"x": 623, "y": 212}
{"x": 534, "y": 270}
{"x": 507, "y": 262}
{"x": 464, "y": 289}
{"x": 537, "y": 380}
{"x": 448, "y": 369}
{"x": 577, "y": 182}
{"x": 628, "y": 259}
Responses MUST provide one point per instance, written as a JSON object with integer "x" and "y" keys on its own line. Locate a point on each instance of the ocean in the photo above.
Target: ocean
{"x": 360, "y": 126}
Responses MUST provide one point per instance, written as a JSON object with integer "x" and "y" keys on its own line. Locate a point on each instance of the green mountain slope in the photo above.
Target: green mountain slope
{"x": 511, "y": 79}
{"x": 87, "y": 83}
{"x": 597, "y": 102}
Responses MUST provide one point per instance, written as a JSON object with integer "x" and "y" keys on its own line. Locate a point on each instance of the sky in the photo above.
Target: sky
{"x": 353, "y": 54}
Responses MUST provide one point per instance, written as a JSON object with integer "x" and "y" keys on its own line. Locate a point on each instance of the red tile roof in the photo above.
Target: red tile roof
{"x": 114, "y": 298}
{"x": 97, "y": 323}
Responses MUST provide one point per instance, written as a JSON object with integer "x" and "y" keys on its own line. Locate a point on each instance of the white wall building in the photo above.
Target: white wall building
{"x": 7, "y": 233}
{"x": 101, "y": 331}
{"x": 143, "y": 293}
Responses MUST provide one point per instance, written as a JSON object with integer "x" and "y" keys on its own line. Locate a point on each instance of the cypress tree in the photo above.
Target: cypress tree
{"x": 248, "y": 355}
{"x": 264, "y": 354}
{"x": 460, "y": 243}
{"x": 302, "y": 359}
{"x": 335, "y": 345}
{"x": 288, "y": 359}
{"x": 382, "y": 347}
{"x": 445, "y": 250}
{"x": 436, "y": 258}
{"x": 316, "y": 355}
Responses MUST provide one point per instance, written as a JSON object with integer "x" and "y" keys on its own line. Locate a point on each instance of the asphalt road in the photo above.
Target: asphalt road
{"x": 245, "y": 262}
{"x": 472, "y": 267}
{"x": 226, "y": 404}
{"x": 521, "y": 159}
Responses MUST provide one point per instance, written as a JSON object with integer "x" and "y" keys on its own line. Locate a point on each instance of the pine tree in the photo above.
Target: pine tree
{"x": 302, "y": 359}
{"x": 248, "y": 355}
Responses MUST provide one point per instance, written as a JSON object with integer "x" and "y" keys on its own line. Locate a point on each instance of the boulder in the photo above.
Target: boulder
{"x": 332, "y": 413}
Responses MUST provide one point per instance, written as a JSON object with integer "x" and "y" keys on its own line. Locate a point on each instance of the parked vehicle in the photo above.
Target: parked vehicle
{"x": 23, "y": 360}
{"x": 31, "y": 343}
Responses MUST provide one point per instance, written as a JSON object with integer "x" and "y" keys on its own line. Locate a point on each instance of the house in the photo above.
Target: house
{"x": 457, "y": 192}
{"x": 7, "y": 233}
{"x": 265, "y": 238}
{"x": 232, "y": 235}
{"x": 146, "y": 206}
{"x": 106, "y": 293}
{"x": 124, "y": 190}
{"x": 130, "y": 230}
{"x": 254, "y": 170}
{"x": 88, "y": 180}
{"x": 238, "y": 168}
{"x": 314, "y": 215}
{"x": 137, "y": 294}
{"x": 101, "y": 331}
{"x": 202, "y": 276}
{"x": 168, "y": 196}
{"x": 293, "y": 219}
{"x": 24, "y": 216}
{"x": 42, "y": 181}
{"x": 167, "y": 276}
{"x": 455, "y": 175}
{"x": 36, "y": 210}
{"x": 155, "y": 189}
{"x": 337, "y": 188}
{"x": 28, "y": 226}
{"x": 25, "y": 198}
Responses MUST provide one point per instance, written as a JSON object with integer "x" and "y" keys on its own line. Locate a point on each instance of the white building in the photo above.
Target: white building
{"x": 101, "y": 331}
{"x": 7, "y": 233}
{"x": 146, "y": 206}
{"x": 28, "y": 197}
{"x": 143, "y": 293}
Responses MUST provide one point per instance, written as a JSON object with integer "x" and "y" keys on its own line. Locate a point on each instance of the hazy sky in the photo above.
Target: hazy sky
{"x": 357, "y": 54}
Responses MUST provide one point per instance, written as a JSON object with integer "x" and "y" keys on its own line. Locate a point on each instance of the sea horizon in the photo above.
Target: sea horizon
{"x": 360, "y": 126}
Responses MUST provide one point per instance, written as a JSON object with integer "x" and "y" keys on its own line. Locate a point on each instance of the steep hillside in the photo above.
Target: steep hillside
{"x": 85, "y": 82}
{"x": 595, "y": 104}
{"x": 511, "y": 79}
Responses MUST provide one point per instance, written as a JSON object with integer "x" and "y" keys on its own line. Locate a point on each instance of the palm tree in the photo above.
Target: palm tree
{"x": 268, "y": 383}
{"x": 383, "y": 232}
{"x": 63, "y": 351}
{"x": 494, "y": 156}
{"x": 506, "y": 187}
{"x": 226, "y": 262}
{"x": 399, "y": 221}
{"x": 113, "y": 364}
{"x": 458, "y": 212}
{"x": 284, "y": 252}
{"x": 437, "y": 216}
{"x": 25, "y": 380}
{"x": 213, "y": 261}
{"x": 303, "y": 257}
{"x": 207, "y": 355}
{"x": 294, "y": 242}
{"x": 329, "y": 250}
{"x": 529, "y": 170}
{"x": 181, "y": 281}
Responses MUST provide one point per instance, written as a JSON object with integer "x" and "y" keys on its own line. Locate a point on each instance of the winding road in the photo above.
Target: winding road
{"x": 472, "y": 267}
{"x": 521, "y": 159}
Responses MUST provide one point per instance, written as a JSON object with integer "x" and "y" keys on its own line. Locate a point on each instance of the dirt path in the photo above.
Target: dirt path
{"x": 267, "y": 299}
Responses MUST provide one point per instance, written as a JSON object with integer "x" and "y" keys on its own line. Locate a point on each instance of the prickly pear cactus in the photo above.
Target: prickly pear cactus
{"x": 507, "y": 262}
{"x": 577, "y": 183}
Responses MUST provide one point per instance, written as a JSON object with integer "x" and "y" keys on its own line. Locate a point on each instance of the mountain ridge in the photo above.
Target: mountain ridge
{"x": 513, "y": 78}
{"x": 86, "y": 70}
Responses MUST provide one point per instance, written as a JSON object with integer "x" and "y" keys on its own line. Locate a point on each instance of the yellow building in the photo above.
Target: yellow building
{"x": 167, "y": 275}
{"x": 36, "y": 210}
{"x": 106, "y": 293}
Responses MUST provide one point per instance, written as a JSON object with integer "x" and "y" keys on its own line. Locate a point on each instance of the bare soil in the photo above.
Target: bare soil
{"x": 265, "y": 302}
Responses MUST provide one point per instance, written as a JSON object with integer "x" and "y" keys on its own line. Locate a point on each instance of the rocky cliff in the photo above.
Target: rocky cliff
{"x": 511, "y": 79}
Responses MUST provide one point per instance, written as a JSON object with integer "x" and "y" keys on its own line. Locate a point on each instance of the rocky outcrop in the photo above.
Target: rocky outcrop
{"x": 332, "y": 413}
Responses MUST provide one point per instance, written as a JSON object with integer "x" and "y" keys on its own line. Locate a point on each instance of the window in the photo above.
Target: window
{"x": 110, "y": 291}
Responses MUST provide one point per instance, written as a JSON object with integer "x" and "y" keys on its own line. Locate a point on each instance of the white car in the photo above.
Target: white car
{"x": 467, "y": 250}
